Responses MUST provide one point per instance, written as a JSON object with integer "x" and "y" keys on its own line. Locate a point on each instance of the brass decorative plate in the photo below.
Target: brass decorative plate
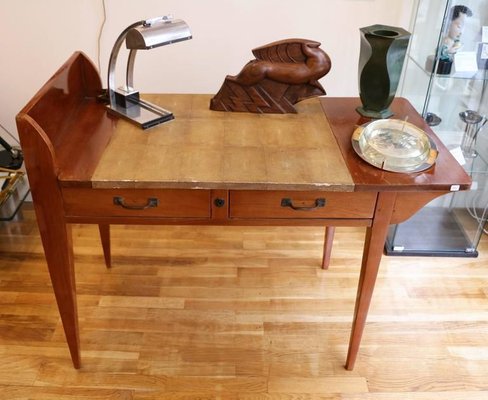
{"x": 394, "y": 145}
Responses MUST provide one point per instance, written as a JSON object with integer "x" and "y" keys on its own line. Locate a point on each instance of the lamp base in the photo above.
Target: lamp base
{"x": 7, "y": 160}
{"x": 386, "y": 113}
{"x": 141, "y": 113}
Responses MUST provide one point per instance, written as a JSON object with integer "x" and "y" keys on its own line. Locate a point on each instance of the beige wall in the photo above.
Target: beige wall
{"x": 37, "y": 36}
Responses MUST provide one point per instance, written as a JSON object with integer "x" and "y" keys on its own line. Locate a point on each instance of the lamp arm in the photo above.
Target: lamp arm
{"x": 129, "y": 75}
{"x": 113, "y": 60}
{"x": 5, "y": 145}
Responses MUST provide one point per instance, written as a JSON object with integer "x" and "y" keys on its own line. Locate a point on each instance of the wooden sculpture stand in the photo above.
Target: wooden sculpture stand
{"x": 209, "y": 168}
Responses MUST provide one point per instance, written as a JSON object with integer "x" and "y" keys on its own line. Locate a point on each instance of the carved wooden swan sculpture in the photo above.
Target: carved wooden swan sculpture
{"x": 283, "y": 73}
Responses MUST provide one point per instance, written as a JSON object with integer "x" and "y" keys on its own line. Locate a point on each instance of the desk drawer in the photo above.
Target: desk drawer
{"x": 272, "y": 204}
{"x": 177, "y": 203}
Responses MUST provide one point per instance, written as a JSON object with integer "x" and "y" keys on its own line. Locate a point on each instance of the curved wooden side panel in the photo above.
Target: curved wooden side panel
{"x": 55, "y": 233}
{"x": 408, "y": 203}
{"x": 70, "y": 120}
{"x": 54, "y": 104}
{"x": 44, "y": 128}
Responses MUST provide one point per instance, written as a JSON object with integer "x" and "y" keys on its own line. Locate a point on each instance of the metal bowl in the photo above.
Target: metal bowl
{"x": 394, "y": 145}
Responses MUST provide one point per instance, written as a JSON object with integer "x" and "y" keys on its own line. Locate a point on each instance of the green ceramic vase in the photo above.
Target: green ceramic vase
{"x": 382, "y": 53}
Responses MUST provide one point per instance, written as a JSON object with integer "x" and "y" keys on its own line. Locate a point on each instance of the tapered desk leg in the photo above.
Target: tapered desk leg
{"x": 58, "y": 249}
{"x": 328, "y": 241}
{"x": 373, "y": 250}
{"x": 104, "y": 230}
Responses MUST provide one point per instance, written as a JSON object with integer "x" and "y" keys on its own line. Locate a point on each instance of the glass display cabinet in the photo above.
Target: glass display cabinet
{"x": 445, "y": 78}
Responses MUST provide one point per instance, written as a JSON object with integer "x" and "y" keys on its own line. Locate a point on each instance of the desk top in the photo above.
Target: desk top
{"x": 445, "y": 175}
{"x": 70, "y": 134}
{"x": 208, "y": 149}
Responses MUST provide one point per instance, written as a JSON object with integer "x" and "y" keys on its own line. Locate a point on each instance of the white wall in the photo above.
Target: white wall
{"x": 37, "y": 36}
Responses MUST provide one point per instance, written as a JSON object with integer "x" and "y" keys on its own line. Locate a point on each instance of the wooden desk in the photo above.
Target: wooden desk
{"x": 209, "y": 167}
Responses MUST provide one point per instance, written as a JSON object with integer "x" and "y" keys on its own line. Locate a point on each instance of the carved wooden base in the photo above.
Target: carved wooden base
{"x": 266, "y": 96}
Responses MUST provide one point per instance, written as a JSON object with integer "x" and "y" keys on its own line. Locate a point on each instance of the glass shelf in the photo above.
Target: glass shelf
{"x": 480, "y": 74}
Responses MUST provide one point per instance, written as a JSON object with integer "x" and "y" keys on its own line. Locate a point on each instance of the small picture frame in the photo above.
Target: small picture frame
{"x": 484, "y": 34}
{"x": 482, "y": 56}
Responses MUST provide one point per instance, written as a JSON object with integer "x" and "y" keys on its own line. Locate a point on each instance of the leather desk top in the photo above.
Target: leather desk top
{"x": 207, "y": 149}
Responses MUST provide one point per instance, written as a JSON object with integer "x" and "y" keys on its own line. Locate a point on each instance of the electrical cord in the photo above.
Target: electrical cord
{"x": 100, "y": 32}
{"x": 8, "y": 133}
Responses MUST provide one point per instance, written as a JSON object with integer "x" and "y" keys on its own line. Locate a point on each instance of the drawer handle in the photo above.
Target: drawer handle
{"x": 151, "y": 203}
{"x": 219, "y": 203}
{"x": 289, "y": 203}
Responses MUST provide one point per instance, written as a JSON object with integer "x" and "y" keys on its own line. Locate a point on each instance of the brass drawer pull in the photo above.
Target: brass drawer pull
{"x": 152, "y": 202}
{"x": 319, "y": 203}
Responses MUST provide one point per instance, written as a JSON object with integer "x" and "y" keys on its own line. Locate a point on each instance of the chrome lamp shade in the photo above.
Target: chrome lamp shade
{"x": 143, "y": 35}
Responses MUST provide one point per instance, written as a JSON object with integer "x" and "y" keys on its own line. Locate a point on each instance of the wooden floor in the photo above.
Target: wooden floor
{"x": 239, "y": 313}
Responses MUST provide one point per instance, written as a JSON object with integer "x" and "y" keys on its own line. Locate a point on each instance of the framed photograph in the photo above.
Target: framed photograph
{"x": 482, "y": 56}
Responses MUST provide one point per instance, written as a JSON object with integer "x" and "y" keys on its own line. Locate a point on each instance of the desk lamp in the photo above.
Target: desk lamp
{"x": 142, "y": 35}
